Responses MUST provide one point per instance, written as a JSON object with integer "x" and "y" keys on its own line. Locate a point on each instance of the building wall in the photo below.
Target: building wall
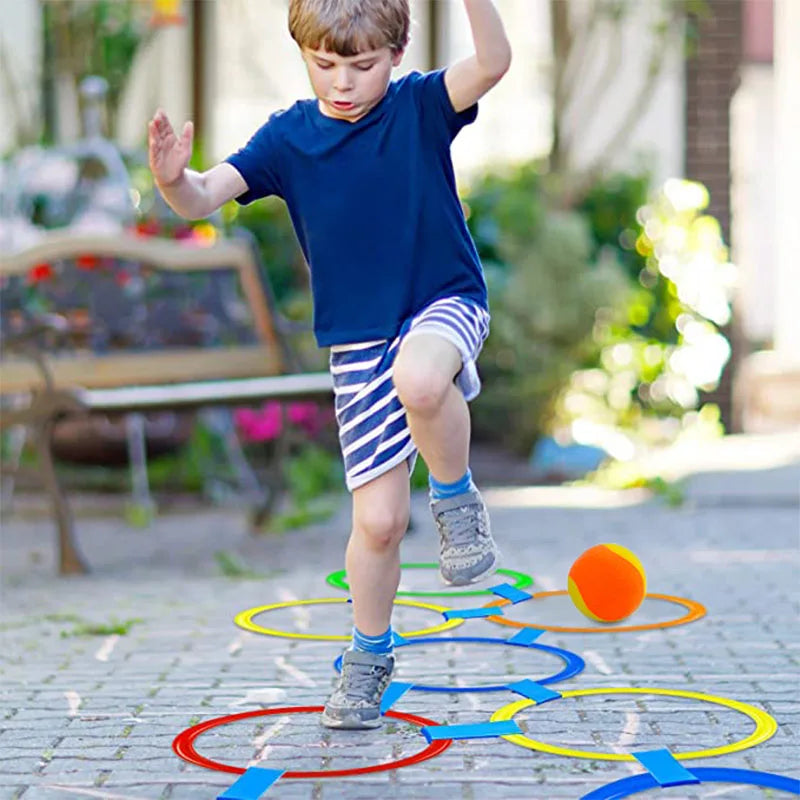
{"x": 787, "y": 189}
{"x": 615, "y": 64}
{"x": 753, "y": 201}
{"x": 256, "y": 70}
{"x": 160, "y": 78}
{"x": 712, "y": 77}
{"x": 515, "y": 118}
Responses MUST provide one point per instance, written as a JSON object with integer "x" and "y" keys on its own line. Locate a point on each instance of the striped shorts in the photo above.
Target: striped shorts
{"x": 373, "y": 431}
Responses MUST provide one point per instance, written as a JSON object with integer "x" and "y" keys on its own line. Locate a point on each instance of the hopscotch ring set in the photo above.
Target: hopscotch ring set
{"x": 663, "y": 769}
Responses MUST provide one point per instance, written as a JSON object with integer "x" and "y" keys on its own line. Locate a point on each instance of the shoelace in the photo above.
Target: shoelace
{"x": 458, "y": 526}
{"x": 360, "y": 680}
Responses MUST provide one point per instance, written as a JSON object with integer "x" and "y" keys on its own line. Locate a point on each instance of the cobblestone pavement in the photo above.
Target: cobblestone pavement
{"x": 95, "y": 715}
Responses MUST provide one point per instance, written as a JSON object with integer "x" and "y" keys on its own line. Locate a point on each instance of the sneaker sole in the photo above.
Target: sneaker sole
{"x": 350, "y": 723}
{"x": 487, "y": 573}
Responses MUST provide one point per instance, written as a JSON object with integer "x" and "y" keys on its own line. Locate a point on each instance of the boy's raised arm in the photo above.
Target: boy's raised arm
{"x": 468, "y": 80}
{"x": 193, "y": 195}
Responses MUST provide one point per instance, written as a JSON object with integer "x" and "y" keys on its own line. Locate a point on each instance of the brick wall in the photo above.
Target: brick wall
{"x": 712, "y": 74}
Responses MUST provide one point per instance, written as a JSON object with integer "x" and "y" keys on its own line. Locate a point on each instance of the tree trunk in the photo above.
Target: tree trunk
{"x": 560, "y": 29}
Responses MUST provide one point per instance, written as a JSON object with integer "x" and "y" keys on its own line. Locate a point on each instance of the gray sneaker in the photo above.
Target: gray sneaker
{"x": 355, "y": 703}
{"x": 467, "y": 552}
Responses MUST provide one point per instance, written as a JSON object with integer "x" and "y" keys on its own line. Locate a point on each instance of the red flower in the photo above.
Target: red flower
{"x": 148, "y": 228}
{"x": 122, "y": 277}
{"x": 183, "y": 232}
{"x": 40, "y": 272}
{"x": 87, "y": 262}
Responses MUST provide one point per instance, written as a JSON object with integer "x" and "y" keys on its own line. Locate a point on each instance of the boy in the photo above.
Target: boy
{"x": 399, "y": 293}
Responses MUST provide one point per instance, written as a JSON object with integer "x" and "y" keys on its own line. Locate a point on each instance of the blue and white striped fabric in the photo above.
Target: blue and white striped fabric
{"x": 373, "y": 432}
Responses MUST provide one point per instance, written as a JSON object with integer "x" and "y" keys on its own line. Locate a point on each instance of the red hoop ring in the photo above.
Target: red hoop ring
{"x": 183, "y": 744}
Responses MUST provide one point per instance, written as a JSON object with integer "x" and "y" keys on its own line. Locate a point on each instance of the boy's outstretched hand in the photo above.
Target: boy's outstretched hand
{"x": 169, "y": 154}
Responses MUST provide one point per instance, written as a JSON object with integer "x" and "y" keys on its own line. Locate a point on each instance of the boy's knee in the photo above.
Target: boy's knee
{"x": 420, "y": 389}
{"x": 381, "y": 528}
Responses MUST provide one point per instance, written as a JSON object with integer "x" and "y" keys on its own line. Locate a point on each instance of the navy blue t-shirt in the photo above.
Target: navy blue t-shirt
{"x": 374, "y": 206}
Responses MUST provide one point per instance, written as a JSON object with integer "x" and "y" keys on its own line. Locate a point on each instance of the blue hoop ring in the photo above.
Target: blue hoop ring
{"x": 634, "y": 784}
{"x": 573, "y": 663}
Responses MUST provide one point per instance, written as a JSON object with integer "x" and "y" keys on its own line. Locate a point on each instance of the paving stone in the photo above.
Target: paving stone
{"x": 96, "y": 716}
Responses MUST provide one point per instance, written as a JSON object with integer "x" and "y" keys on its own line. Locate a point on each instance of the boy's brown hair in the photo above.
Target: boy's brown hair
{"x": 350, "y": 27}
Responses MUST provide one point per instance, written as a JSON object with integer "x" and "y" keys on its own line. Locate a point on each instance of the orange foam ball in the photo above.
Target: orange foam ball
{"x": 607, "y": 583}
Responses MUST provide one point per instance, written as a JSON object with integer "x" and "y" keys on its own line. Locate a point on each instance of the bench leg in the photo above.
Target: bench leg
{"x": 137, "y": 457}
{"x": 70, "y": 561}
{"x": 220, "y": 421}
{"x": 275, "y": 485}
{"x": 17, "y": 436}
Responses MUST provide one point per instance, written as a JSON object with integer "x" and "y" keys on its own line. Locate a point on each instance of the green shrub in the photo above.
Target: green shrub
{"x": 269, "y": 222}
{"x": 608, "y": 312}
{"x": 547, "y": 282}
{"x": 658, "y": 351}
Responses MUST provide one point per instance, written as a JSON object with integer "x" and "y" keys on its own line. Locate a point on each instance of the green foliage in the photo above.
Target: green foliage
{"x": 138, "y": 515}
{"x": 113, "y": 626}
{"x": 617, "y": 475}
{"x": 312, "y": 472}
{"x": 269, "y": 222}
{"x": 606, "y": 312}
{"x": 185, "y": 469}
{"x": 314, "y": 512}
{"x": 313, "y": 476}
{"x": 662, "y": 347}
{"x": 231, "y": 567}
{"x": 419, "y": 477}
{"x": 95, "y": 37}
{"x": 547, "y": 281}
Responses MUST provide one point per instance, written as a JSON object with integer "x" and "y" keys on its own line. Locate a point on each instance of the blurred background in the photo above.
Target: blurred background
{"x": 632, "y": 186}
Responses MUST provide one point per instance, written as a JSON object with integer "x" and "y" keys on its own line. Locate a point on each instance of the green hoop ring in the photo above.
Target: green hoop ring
{"x": 337, "y": 580}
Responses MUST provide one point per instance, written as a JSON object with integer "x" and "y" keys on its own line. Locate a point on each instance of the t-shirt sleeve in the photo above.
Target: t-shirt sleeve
{"x": 257, "y": 162}
{"x": 436, "y": 106}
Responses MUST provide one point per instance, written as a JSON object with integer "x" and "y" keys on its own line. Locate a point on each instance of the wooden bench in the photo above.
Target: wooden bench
{"x": 127, "y": 325}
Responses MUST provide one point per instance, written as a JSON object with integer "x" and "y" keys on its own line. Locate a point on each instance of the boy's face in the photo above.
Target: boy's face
{"x": 349, "y": 87}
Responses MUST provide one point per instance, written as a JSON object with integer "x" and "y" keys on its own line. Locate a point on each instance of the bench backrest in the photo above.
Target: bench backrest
{"x": 139, "y": 310}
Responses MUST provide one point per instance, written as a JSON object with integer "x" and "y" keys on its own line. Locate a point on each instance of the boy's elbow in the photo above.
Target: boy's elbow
{"x": 506, "y": 62}
{"x": 500, "y": 66}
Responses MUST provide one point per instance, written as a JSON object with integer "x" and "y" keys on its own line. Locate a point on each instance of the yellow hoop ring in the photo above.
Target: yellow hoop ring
{"x": 765, "y": 725}
{"x": 244, "y": 619}
{"x": 694, "y": 611}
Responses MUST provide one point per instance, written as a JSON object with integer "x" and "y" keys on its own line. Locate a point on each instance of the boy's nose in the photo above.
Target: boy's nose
{"x": 342, "y": 80}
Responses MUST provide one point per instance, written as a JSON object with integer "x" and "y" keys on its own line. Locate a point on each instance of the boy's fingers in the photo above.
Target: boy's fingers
{"x": 188, "y": 131}
{"x": 162, "y": 122}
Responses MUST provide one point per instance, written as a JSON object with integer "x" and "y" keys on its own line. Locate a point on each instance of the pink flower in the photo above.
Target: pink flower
{"x": 306, "y": 416}
{"x": 260, "y": 425}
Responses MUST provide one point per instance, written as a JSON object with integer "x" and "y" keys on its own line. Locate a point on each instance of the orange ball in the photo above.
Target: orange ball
{"x": 607, "y": 583}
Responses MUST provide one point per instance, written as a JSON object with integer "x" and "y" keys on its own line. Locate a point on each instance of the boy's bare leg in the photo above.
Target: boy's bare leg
{"x": 439, "y": 421}
{"x": 437, "y": 414}
{"x": 380, "y": 519}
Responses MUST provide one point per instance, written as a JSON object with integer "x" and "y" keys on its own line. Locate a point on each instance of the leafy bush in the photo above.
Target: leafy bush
{"x": 269, "y": 222}
{"x": 547, "y": 282}
{"x": 660, "y": 349}
{"x": 604, "y": 315}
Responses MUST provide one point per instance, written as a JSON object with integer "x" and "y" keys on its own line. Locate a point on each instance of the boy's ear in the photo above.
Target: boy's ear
{"x": 397, "y": 57}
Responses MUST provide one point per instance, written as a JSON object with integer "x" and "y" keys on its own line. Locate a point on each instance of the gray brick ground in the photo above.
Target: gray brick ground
{"x": 88, "y": 716}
